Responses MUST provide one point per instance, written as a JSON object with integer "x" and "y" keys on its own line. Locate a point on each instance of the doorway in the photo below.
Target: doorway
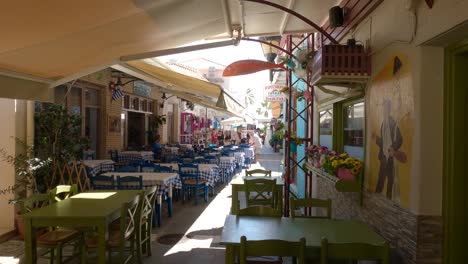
{"x": 455, "y": 192}
{"x": 136, "y": 130}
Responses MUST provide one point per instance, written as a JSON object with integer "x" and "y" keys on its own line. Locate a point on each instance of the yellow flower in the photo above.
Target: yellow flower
{"x": 334, "y": 163}
{"x": 354, "y": 171}
{"x": 348, "y": 160}
{"x": 332, "y": 158}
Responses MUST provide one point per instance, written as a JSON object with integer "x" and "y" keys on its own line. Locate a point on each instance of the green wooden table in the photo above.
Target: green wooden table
{"x": 237, "y": 185}
{"x": 292, "y": 229}
{"x": 91, "y": 209}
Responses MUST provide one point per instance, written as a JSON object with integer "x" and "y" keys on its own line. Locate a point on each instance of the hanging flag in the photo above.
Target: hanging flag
{"x": 116, "y": 94}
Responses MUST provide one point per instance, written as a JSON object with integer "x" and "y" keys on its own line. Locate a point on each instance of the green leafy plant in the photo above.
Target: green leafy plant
{"x": 57, "y": 138}
{"x": 26, "y": 165}
{"x": 155, "y": 123}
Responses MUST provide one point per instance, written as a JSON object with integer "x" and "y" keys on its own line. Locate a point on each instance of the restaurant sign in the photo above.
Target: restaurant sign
{"x": 142, "y": 89}
{"x": 272, "y": 93}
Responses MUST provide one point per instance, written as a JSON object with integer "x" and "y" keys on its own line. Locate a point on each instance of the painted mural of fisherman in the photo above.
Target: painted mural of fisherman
{"x": 389, "y": 142}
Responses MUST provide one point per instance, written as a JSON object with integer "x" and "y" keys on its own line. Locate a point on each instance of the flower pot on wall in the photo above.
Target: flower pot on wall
{"x": 345, "y": 174}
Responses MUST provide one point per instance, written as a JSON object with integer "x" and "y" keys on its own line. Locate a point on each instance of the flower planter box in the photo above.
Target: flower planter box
{"x": 345, "y": 174}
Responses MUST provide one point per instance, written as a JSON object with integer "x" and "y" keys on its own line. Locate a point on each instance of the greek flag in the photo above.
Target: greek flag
{"x": 116, "y": 94}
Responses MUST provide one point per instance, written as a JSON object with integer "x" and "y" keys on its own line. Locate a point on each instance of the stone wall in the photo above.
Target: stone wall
{"x": 417, "y": 239}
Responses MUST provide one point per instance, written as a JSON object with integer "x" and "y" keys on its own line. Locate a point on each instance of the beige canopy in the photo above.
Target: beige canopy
{"x": 186, "y": 87}
{"x": 47, "y": 43}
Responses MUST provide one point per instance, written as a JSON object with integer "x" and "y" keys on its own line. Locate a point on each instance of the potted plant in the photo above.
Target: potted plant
{"x": 155, "y": 123}
{"x": 26, "y": 165}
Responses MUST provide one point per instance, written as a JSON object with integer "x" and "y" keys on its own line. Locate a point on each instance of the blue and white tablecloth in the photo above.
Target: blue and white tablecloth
{"x": 99, "y": 166}
{"x": 129, "y": 156}
{"x": 249, "y": 152}
{"x": 206, "y": 172}
{"x": 239, "y": 158}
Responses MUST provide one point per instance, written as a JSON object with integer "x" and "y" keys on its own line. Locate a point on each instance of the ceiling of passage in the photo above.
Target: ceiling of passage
{"x": 57, "y": 39}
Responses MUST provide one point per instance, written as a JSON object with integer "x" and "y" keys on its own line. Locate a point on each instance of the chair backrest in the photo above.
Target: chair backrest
{"x": 114, "y": 155}
{"x": 259, "y": 191}
{"x": 149, "y": 167}
{"x": 127, "y": 169}
{"x": 164, "y": 169}
{"x": 258, "y": 172}
{"x": 259, "y": 210}
{"x": 200, "y": 161}
{"x": 188, "y": 171}
{"x": 210, "y": 159}
{"x": 89, "y": 155}
{"x": 62, "y": 192}
{"x": 101, "y": 182}
{"x": 272, "y": 248}
{"x": 130, "y": 214}
{"x": 148, "y": 203}
{"x": 34, "y": 201}
{"x": 294, "y": 204}
{"x": 354, "y": 251}
{"x": 129, "y": 182}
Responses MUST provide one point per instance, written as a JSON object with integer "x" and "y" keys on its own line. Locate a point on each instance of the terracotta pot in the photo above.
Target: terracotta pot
{"x": 19, "y": 224}
{"x": 345, "y": 174}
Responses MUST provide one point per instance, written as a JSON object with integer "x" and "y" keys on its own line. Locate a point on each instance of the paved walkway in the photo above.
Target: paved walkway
{"x": 190, "y": 236}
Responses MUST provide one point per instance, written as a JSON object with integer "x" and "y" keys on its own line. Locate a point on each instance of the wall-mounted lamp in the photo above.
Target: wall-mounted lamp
{"x": 164, "y": 97}
{"x": 270, "y": 52}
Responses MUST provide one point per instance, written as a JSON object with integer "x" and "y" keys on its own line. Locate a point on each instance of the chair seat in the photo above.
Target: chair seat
{"x": 193, "y": 182}
{"x": 112, "y": 242}
{"x": 58, "y": 236}
{"x": 264, "y": 260}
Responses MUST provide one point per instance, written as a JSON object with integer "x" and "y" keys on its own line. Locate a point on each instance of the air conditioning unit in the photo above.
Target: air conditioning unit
{"x": 340, "y": 64}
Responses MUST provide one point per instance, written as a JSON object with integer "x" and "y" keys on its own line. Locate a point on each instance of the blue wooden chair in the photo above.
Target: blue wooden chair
{"x": 189, "y": 175}
{"x": 130, "y": 182}
{"x": 101, "y": 182}
{"x": 164, "y": 169}
{"x": 89, "y": 155}
{"x": 127, "y": 169}
{"x": 199, "y": 161}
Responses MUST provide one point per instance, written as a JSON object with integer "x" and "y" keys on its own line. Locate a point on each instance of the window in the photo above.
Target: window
{"x": 326, "y": 128}
{"x": 353, "y": 129}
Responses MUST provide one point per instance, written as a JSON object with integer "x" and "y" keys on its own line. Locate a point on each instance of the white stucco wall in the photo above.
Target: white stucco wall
{"x": 389, "y": 30}
{"x": 17, "y": 121}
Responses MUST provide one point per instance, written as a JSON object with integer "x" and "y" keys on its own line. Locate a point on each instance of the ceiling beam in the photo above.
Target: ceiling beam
{"x": 158, "y": 53}
{"x": 286, "y": 16}
{"x": 227, "y": 17}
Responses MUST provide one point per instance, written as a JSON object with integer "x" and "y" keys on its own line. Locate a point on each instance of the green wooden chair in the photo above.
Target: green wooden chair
{"x": 259, "y": 192}
{"x": 294, "y": 204}
{"x": 258, "y": 210}
{"x": 123, "y": 239}
{"x": 62, "y": 192}
{"x": 55, "y": 239}
{"x": 354, "y": 251}
{"x": 143, "y": 235}
{"x": 258, "y": 172}
{"x": 271, "y": 248}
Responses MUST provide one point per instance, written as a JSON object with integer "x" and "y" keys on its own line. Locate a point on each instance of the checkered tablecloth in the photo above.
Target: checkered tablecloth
{"x": 129, "y": 156}
{"x": 249, "y": 152}
{"x": 163, "y": 180}
{"x": 239, "y": 158}
{"x": 208, "y": 173}
{"x": 227, "y": 163}
{"x": 99, "y": 166}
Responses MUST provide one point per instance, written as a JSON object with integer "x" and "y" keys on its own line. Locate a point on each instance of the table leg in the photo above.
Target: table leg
{"x": 29, "y": 242}
{"x": 169, "y": 200}
{"x": 234, "y": 200}
{"x": 280, "y": 198}
{"x": 158, "y": 209}
{"x": 101, "y": 250}
{"x": 229, "y": 257}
